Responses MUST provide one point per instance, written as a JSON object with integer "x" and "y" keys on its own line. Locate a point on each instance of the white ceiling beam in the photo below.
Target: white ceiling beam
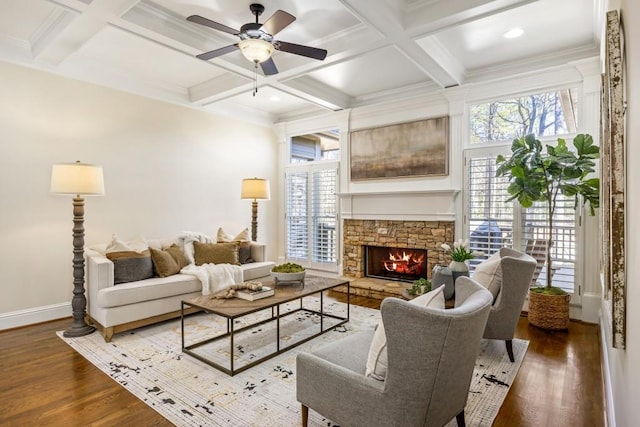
{"x": 422, "y": 18}
{"x": 389, "y": 22}
{"x": 312, "y": 90}
{"x": 218, "y": 88}
{"x": 78, "y": 31}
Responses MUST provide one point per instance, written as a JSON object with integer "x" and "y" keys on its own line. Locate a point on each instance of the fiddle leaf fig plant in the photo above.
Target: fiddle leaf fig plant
{"x": 539, "y": 174}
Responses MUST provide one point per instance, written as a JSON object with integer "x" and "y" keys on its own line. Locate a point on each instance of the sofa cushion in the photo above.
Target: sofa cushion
{"x": 167, "y": 262}
{"x": 148, "y": 289}
{"x": 377, "y": 360}
{"x": 215, "y": 253}
{"x": 489, "y": 274}
{"x": 130, "y": 266}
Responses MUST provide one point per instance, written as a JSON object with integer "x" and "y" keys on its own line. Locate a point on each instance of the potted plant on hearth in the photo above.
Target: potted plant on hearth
{"x": 538, "y": 175}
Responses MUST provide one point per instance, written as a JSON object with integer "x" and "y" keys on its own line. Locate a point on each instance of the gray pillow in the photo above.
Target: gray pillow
{"x": 131, "y": 266}
{"x": 244, "y": 254}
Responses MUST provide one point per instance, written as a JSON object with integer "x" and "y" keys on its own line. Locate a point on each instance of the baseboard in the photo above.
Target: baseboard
{"x": 606, "y": 370}
{"x": 15, "y": 319}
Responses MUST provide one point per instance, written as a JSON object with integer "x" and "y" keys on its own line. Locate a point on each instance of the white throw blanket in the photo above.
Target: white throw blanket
{"x": 186, "y": 239}
{"x": 215, "y": 277}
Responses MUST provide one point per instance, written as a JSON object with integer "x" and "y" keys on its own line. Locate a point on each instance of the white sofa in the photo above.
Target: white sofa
{"x": 117, "y": 308}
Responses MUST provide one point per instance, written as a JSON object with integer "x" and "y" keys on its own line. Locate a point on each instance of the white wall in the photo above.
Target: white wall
{"x": 167, "y": 169}
{"x": 624, "y": 365}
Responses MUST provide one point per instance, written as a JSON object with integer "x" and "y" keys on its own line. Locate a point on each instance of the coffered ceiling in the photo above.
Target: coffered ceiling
{"x": 377, "y": 49}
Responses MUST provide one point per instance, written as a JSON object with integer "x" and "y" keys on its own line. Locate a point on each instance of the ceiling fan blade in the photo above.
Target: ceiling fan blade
{"x": 212, "y": 24}
{"x": 277, "y": 22}
{"x": 269, "y": 67}
{"x": 217, "y": 52}
{"x": 298, "y": 49}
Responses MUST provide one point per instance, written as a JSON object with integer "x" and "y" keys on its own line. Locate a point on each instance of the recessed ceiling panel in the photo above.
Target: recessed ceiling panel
{"x": 22, "y": 18}
{"x": 377, "y": 71}
{"x": 143, "y": 59}
{"x": 314, "y": 19}
{"x": 546, "y": 28}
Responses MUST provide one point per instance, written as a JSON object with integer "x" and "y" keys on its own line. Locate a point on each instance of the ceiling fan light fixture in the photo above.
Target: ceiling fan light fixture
{"x": 256, "y": 50}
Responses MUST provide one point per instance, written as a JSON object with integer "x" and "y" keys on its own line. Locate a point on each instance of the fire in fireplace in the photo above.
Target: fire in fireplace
{"x": 406, "y": 264}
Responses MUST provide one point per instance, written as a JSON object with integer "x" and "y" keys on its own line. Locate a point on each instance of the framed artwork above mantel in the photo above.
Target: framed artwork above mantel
{"x": 403, "y": 150}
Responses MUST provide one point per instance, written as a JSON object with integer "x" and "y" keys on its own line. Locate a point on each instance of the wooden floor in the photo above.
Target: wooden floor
{"x": 44, "y": 382}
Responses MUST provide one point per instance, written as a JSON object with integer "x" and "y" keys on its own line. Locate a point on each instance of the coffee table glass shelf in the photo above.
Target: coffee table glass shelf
{"x": 279, "y": 304}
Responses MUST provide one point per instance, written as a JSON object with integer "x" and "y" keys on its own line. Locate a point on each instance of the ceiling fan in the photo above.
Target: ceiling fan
{"x": 256, "y": 40}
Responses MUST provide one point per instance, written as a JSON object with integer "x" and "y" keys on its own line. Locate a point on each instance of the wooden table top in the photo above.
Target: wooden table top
{"x": 236, "y": 307}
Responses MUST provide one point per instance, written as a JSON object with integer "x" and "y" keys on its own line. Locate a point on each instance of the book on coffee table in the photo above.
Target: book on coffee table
{"x": 248, "y": 295}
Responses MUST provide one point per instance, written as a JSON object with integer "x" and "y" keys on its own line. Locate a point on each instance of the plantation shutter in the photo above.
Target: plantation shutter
{"x": 311, "y": 215}
{"x": 324, "y": 216}
{"x": 489, "y": 219}
{"x": 297, "y": 216}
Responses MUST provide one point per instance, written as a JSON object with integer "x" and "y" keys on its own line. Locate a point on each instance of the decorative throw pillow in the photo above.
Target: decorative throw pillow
{"x": 215, "y": 253}
{"x": 244, "y": 253}
{"x": 169, "y": 261}
{"x": 178, "y": 255}
{"x": 138, "y": 244}
{"x": 489, "y": 274}
{"x": 377, "y": 361}
{"x": 131, "y": 266}
{"x": 223, "y": 237}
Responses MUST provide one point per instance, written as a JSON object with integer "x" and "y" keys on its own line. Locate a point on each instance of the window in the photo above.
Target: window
{"x": 491, "y": 223}
{"x": 315, "y": 146}
{"x": 544, "y": 114}
{"x": 311, "y": 215}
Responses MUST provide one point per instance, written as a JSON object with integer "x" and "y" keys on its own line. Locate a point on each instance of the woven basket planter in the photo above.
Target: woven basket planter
{"x": 549, "y": 311}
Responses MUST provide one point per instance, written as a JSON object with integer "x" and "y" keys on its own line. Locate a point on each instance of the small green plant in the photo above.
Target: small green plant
{"x": 420, "y": 286}
{"x": 288, "y": 267}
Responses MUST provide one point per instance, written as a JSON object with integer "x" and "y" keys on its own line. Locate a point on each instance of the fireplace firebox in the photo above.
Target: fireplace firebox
{"x": 404, "y": 264}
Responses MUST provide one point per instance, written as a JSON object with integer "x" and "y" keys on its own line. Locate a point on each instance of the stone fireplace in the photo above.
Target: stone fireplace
{"x": 424, "y": 235}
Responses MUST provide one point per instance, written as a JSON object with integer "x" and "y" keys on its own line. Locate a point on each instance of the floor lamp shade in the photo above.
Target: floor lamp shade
{"x": 78, "y": 179}
{"x": 255, "y": 188}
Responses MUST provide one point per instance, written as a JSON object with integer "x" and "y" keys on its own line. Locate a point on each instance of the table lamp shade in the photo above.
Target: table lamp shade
{"x": 255, "y": 188}
{"x": 77, "y": 179}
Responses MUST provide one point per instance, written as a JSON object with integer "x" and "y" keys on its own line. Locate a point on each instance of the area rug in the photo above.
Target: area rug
{"x": 150, "y": 364}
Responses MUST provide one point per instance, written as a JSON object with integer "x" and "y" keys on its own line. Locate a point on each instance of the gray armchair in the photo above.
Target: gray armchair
{"x": 516, "y": 269}
{"x": 431, "y": 356}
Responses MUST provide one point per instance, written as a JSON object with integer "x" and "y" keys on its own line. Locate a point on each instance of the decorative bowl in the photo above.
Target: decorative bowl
{"x": 288, "y": 277}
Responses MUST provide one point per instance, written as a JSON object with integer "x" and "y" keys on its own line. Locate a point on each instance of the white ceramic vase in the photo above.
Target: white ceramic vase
{"x": 458, "y": 268}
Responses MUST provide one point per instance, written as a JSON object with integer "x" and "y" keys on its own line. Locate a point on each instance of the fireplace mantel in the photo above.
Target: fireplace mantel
{"x": 412, "y": 205}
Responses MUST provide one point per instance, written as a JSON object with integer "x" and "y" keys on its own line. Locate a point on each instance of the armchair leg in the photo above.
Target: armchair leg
{"x": 460, "y": 419}
{"x": 305, "y": 416}
{"x": 510, "y": 350}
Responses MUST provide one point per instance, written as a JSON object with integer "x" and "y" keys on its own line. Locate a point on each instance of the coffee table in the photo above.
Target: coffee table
{"x": 234, "y": 308}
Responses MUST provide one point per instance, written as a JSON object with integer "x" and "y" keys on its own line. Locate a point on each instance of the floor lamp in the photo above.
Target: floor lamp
{"x": 255, "y": 188}
{"x": 78, "y": 179}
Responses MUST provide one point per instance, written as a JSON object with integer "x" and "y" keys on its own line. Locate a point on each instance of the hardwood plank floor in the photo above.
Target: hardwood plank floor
{"x": 45, "y": 382}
